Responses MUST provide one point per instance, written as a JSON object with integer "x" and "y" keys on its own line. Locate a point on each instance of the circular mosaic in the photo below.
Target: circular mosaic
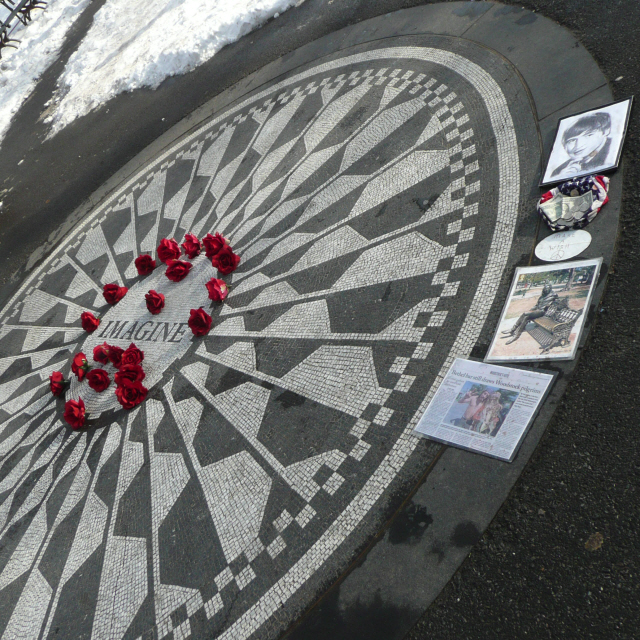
{"x": 373, "y": 199}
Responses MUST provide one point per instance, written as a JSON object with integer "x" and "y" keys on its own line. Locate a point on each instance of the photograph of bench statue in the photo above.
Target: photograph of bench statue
{"x": 481, "y": 408}
{"x": 544, "y": 313}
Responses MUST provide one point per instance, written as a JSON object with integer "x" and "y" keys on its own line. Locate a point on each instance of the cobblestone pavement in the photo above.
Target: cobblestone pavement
{"x": 374, "y": 196}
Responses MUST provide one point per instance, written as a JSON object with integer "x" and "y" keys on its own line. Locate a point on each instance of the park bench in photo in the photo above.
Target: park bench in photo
{"x": 554, "y": 327}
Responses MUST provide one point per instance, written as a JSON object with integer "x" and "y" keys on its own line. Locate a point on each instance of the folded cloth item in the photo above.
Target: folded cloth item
{"x": 575, "y": 203}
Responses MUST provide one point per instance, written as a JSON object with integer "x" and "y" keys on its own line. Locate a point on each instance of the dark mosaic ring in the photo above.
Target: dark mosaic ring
{"x": 575, "y": 203}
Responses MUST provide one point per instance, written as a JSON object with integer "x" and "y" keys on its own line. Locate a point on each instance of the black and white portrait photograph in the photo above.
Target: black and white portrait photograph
{"x": 588, "y": 142}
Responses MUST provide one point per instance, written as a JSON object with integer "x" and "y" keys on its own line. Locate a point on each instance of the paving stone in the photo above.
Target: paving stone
{"x": 452, "y": 19}
{"x": 546, "y": 54}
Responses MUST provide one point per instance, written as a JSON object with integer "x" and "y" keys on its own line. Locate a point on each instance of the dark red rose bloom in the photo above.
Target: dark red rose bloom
{"x": 155, "y": 302}
{"x": 98, "y": 379}
{"x": 213, "y": 244}
{"x": 101, "y": 353}
{"x": 218, "y": 289}
{"x": 178, "y": 270}
{"x": 115, "y": 355}
{"x": 191, "y": 246}
{"x": 225, "y": 261}
{"x": 113, "y": 293}
{"x": 132, "y": 355}
{"x": 168, "y": 250}
{"x": 145, "y": 264}
{"x": 199, "y": 322}
{"x": 131, "y": 372}
{"x": 74, "y": 413}
{"x": 57, "y": 383}
{"x": 80, "y": 366}
{"x": 89, "y": 322}
{"x": 130, "y": 394}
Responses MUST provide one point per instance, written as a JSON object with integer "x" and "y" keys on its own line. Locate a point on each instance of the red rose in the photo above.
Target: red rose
{"x": 101, "y": 353}
{"x": 113, "y": 293}
{"x": 132, "y": 355}
{"x": 178, "y": 270}
{"x": 218, "y": 289}
{"x": 89, "y": 322}
{"x": 199, "y": 322}
{"x": 145, "y": 264}
{"x": 191, "y": 246}
{"x": 131, "y": 372}
{"x": 57, "y": 383}
{"x": 168, "y": 250}
{"x": 79, "y": 365}
{"x": 213, "y": 244}
{"x": 74, "y": 413}
{"x": 130, "y": 394}
{"x": 115, "y": 355}
{"x": 225, "y": 261}
{"x": 98, "y": 379}
{"x": 155, "y": 302}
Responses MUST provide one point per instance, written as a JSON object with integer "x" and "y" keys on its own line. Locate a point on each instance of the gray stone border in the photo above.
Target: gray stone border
{"x": 546, "y": 56}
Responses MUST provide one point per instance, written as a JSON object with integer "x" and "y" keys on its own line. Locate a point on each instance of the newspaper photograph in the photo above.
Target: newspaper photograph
{"x": 484, "y": 407}
{"x": 545, "y": 311}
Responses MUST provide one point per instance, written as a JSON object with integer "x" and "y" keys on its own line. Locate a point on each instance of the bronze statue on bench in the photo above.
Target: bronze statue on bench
{"x": 546, "y": 299}
{"x": 552, "y": 320}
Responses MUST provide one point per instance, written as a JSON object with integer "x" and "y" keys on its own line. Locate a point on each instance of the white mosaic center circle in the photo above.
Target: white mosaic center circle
{"x": 163, "y": 337}
{"x": 373, "y": 200}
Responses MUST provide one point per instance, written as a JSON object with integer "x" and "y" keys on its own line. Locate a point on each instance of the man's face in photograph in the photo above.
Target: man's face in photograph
{"x": 585, "y": 143}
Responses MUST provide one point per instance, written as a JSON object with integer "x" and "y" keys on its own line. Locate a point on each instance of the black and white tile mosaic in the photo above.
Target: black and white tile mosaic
{"x": 373, "y": 199}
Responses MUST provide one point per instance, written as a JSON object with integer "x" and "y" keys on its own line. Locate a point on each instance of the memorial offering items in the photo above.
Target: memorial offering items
{"x": 145, "y": 264}
{"x": 74, "y": 413}
{"x": 563, "y": 245}
{"x": 192, "y": 246}
{"x": 177, "y": 270}
{"x": 543, "y": 316}
{"x": 588, "y": 142}
{"x": 89, "y": 322}
{"x": 113, "y": 293}
{"x": 128, "y": 378}
{"x": 57, "y": 383}
{"x": 168, "y": 249}
{"x": 575, "y": 203}
{"x": 484, "y": 407}
{"x": 218, "y": 289}
{"x": 155, "y": 302}
{"x": 127, "y": 364}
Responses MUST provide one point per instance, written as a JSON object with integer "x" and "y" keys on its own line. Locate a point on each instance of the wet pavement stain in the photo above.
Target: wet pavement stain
{"x": 409, "y": 525}
{"x": 466, "y": 534}
{"x": 528, "y": 19}
{"x": 359, "y": 621}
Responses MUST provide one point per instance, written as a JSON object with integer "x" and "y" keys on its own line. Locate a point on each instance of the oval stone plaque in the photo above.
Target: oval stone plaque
{"x": 563, "y": 245}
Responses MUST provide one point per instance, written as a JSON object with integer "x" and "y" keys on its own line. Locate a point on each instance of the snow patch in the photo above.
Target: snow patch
{"x": 133, "y": 44}
{"x": 40, "y": 45}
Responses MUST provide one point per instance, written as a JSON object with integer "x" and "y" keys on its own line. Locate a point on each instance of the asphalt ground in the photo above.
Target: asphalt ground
{"x": 536, "y": 572}
{"x": 531, "y": 574}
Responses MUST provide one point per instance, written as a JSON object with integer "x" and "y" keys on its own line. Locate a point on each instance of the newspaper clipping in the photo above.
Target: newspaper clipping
{"x": 485, "y": 408}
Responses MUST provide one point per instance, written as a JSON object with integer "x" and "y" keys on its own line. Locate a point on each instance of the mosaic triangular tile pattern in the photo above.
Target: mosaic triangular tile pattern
{"x": 373, "y": 199}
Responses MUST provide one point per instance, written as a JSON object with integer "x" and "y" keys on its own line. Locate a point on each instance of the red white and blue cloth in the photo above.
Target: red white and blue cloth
{"x": 575, "y": 203}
